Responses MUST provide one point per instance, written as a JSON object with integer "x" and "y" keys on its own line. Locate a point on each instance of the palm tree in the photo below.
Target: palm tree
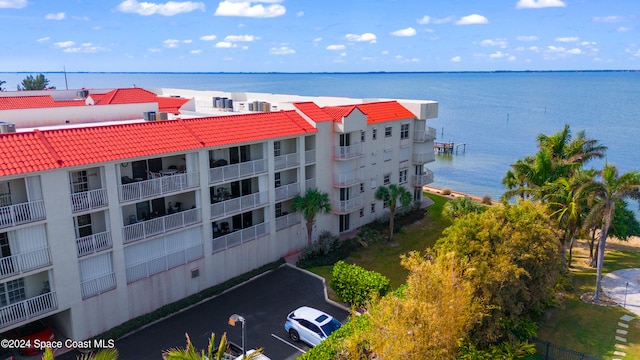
{"x": 1, "y": 83}
{"x": 190, "y": 352}
{"x": 390, "y": 196}
{"x": 607, "y": 191}
{"x": 461, "y": 206}
{"x": 571, "y": 150}
{"x": 313, "y": 202}
{"x": 105, "y": 354}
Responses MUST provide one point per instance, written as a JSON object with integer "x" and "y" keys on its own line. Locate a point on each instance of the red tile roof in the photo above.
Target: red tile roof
{"x": 26, "y": 152}
{"x": 313, "y": 111}
{"x": 338, "y": 112}
{"x": 376, "y": 112}
{"x": 26, "y": 102}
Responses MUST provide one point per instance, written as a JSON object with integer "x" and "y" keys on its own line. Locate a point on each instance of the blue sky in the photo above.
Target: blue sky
{"x": 319, "y": 35}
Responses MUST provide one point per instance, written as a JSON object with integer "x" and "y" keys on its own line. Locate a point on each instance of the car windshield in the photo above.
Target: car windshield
{"x": 331, "y": 326}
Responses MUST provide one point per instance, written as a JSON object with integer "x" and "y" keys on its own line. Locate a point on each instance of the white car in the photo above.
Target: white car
{"x": 310, "y": 325}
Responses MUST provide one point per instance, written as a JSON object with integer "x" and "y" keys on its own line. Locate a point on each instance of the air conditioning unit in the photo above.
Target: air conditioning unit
{"x": 82, "y": 94}
{"x": 149, "y": 115}
{"x": 7, "y": 127}
{"x": 163, "y": 116}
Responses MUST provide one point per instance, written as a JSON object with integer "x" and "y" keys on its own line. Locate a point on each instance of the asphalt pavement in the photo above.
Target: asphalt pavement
{"x": 264, "y": 302}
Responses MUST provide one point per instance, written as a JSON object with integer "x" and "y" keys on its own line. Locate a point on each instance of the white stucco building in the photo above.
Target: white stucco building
{"x": 105, "y": 216}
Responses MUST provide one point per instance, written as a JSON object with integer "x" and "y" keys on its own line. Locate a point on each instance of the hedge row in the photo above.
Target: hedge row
{"x": 357, "y": 286}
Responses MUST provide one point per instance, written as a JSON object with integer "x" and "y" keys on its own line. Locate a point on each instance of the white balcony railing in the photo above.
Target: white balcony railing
{"x": 236, "y": 171}
{"x": 429, "y": 134}
{"x": 160, "y": 225}
{"x": 23, "y": 213}
{"x": 347, "y": 152}
{"x": 423, "y": 179}
{"x": 309, "y": 156}
{"x": 98, "y": 285}
{"x": 238, "y": 237}
{"x": 348, "y": 179}
{"x": 310, "y": 183}
{"x": 347, "y": 206}
{"x": 286, "y": 221}
{"x": 424, "y": 158}
{"x": 94, "y": 243}
{"x": 287, "y": 191}
{"x": 88, "y": 200}
{"x": 27, "y": 309}
{"x": 158, "y": 187}
{"x": 21, "y": 263}
{"x": 231, "y": 206}
{"x": 286, "y": 161}
{"x": 163, "y": 263}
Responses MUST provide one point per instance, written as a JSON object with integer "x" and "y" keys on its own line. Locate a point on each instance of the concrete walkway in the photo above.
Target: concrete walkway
{"x": 624, "y": 287}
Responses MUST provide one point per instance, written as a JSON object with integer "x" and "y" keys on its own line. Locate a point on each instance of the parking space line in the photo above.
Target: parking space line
{"x": 288, "y": 343}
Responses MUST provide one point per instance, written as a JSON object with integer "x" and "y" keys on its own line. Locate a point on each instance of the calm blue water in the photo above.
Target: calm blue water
{"x": 497, "y": 115}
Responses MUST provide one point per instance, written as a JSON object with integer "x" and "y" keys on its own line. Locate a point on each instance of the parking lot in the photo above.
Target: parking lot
{"x": 264, "y": 302}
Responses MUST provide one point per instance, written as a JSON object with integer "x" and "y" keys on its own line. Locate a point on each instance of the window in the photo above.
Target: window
{"x": 373, "y": 207}
{"x": 83, "y": 226}
{"x": 387, "y": 131}
{"x": 278, "y": 209}
{"x": 79, "y": 182}
{"x": 402, "y": 178}
{"x": 363, "y": 136}
{"x": 362, "y": 212}
{"x": 12, "y": 292}
{"x": 361, "y": 187}
{"x": 374, "y": 134}
{"x": 404, "y": 131}
{"x": 373, "y": 183}
{"x": 277, "y": 182}
{"x": 387, "y": 154}
{"x": 404, "y": 153}
{"x": 276, "y": 148}
{"x": 385, "y": 205}
{"x": 387, "y": 179}
{"x": 374, "y": 158}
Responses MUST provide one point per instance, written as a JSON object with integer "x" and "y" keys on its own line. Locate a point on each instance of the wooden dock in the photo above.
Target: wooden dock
{"x": 448, "y": 147}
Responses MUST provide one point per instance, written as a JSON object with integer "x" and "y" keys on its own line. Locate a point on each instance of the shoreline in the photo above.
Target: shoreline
{"x": 455, "y": 194}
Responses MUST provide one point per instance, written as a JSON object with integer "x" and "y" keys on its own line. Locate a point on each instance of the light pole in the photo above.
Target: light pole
{"x": 232, "y": 321}
{"x": 625, "y": 295}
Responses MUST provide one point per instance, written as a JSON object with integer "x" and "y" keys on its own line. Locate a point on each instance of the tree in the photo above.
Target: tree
{"x": 190, "y": 352}
{"x": 607, "y": 191}
{"x": 390, "y": 196}
{"x": 313, "y": 202}
{"x": 39, "y": 82}
{"x": 105, "y": 354}
{"x": 2, "y": 82}
{"x": 461, "y": 206}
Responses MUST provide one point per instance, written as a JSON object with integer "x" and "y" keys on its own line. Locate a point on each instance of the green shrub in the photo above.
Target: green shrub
{"x": 486, "y": 199}
{"x": 356, "y": 285}
{"x": 333, "y": 347}
{"x": 446, "y": 191}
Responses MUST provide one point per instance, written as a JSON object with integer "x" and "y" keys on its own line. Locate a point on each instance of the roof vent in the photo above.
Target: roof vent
{"x": 82, "y": 94}
{"x": 150, "y": 115}
{"x": 7, "y": 127}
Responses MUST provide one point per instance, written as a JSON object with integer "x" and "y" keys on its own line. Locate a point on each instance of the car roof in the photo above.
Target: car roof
{"x": 312, "y": 314}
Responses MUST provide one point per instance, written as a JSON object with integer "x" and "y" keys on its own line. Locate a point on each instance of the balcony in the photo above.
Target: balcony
{"x": 89, "y": 200}
{"x": 235, "y": 171}
{"x": 23, "y": 213}
{"x": 423, "y": 179}
{"x": 21, "y": 263}
{"x": 158, "y": 187}
{"x": 238, "y": 237}
{"x": 424, "y": 158}
{"x": 429, "y": 134}
{"x": 347, "y": 206}
{"x": 346, "y": 180}
{"x": 93, "y": 243}
{"x": 287, "y": 191}
{"x": 98, "y": 285}
{"x": 286, "y": 161}
{"x": 310, "y": 183}
{"x": 287, "y": 221}
{"x": 309, "y": 156}
{"x": 27, "y": 309}
{"x": 239, "y": 204}
{"x": 160, "y": 225}
{"x": 163, "y": 263}
{"x": 347, "y": 152}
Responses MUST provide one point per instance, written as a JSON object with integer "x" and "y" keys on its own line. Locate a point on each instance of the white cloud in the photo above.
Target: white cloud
{"x": 556, "y": 48}
{"x": 317, "y": 39}
{"x": 456, "y": 59}
{"x": 44, "y": 39}
{"x": 610, "y": 19}
{"x": 568, "y": 39}
{"x": 533, "y": 48}
{"x": 235, "y": 38}
{"x": 472, "y": 20}
{"x": 225, "y": 45}
{"x": 208, "y": 37}
{"x": 424, "y": 20}
{"x": 624, "y": 29}
{"x": 443, "y": 20}
{"x": 171, "y": 43}
{"x": 282, "y": 50}
{"x": 527, "y": 38}
{"x": 368, "y": 37}
{"x": 187, "y": 41}
{"x": 588, "y": 43}
{"x": 87, "y": 48}
{"x": 13, "y": 4}
{"x": 154, "y": 50}
{"x": 80, "y": 18}
{"x": 498, "y": 55}
{"x": 335, "y": 47}
{"x": 574, "y": 51}
{"x": 300, "y": 13}
{"x": 167, "y": 9}
{"x": 405, "y": 32}
{"x": 64, "y": 44}
{"x": 246, "y": 9}
{"x": 538, "y": 4}
{"x": 195, "y": 52}
{"x": 56, "y": 16}
{"x": 494, "y": 42}
{"x": 384, "y": 52}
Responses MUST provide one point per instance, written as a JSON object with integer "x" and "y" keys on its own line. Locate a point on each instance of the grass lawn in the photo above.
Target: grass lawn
{"x": 572, "y": 324}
